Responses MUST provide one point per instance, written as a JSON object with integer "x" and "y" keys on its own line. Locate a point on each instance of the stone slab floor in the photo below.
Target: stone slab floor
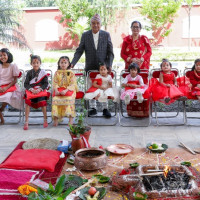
{"x": 11, "y": 135}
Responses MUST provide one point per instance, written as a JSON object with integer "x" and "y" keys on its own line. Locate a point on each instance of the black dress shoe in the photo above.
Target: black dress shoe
{"x": 106, "y": 113}
{"x": 93, "y": 111}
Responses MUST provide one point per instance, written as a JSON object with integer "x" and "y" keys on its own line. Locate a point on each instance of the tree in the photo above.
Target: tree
{"x": 161, "y": 14}
{"x": 73, "y": 12}
{"x": 108, "y": 10}
{"x": 10, "y": 29}
{"x": 188, "y": 8}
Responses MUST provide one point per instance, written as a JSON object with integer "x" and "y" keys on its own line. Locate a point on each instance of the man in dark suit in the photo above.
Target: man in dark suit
{"x": 97, "y": 46}
{"x": 98, "y": 49}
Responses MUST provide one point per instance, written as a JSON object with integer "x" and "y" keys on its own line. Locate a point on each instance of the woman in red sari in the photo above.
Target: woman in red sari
{"x": 136, "y": 48}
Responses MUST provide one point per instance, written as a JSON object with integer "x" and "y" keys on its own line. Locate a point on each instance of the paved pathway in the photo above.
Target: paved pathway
{"x": 11, "y": 135}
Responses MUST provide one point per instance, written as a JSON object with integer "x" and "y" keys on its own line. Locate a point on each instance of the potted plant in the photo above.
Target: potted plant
{"x": 79, "y": 132}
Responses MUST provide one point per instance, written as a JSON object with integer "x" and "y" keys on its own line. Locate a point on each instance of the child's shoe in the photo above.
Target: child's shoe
{"x": 127, "y": 99}
{"x": 106, "y": 113}
{"x": 45, "y": 125}
{"x": 26, "y": 126}
{"x": 167, "y": 99}
{"x": 139, "y": 97}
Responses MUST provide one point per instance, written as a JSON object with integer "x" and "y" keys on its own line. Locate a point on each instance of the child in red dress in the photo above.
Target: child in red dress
{"x": 195, "y": 79}
{"x": 166, "y": 90}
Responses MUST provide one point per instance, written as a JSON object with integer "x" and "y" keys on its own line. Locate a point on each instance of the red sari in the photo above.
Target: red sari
{"x": 139, "y": 48}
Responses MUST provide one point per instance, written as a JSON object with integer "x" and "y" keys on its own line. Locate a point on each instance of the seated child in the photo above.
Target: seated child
{"x": 166, "y": 90}
{"x": 36, "y": 85}
{"x": 10, "y": 92}
{"x": 195, "y": 79}
{"x": 102, "y": 89}
{"x": 133, "y": 85}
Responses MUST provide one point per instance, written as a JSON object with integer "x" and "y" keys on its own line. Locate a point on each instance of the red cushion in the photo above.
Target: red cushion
{"x": 188, "y": 74}
{"x": 30, "y": 95}
{"x": 79, "y": 95}
{"x": 11, "y": 89}
{"x": 134, "y": 83}
{"x": 32, "y": 159}
{"x": 98, "y": 80}
{"x": 93, "y": 89}
{"x": 67, "y": 94}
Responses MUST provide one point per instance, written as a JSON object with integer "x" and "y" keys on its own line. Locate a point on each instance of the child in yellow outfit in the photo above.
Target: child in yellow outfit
{"x": 64, "y": 92}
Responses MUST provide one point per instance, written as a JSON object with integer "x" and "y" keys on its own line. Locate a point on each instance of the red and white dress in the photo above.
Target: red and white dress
{"x": 160, "y": 91}
{"x": 104, "y": 94}
{"x": 13, "y": 95}
{"x": 36, "y": 79}
{"x": 131, "y": 91}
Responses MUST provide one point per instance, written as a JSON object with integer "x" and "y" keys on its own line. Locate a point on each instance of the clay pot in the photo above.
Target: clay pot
{"x": 90, "y": 159}
{"x": 78, "y": 143}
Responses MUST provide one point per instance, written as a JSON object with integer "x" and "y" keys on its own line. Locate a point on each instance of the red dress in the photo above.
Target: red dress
{"x": 194, "y": 80}
{"x": 139, "y": 48}
{"x": 160, "y": 91}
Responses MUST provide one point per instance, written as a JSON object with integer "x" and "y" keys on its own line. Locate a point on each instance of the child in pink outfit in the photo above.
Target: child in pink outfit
{"x": 10, "y": 92}
{"x": 133, "y": 85}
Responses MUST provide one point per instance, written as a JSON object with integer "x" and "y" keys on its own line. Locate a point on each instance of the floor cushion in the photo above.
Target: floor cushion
{"x": 32, "y": 159}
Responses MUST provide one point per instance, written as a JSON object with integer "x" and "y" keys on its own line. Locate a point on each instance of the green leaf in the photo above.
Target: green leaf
{"x": 102, "y": 193}
{"x": 33, "y": 196}
{"x": 51, "y": 188}
{"x": 60, "y": 185}
{"x": 40, "y": 191}
{"x": 134, "y": 165}
{"x": 67, "y": 192}
{"x": 186, "y": 163}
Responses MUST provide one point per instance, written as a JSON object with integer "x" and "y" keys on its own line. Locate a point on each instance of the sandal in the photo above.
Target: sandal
{"x": 26, "y": 126}
{"x": 45, "y": 125}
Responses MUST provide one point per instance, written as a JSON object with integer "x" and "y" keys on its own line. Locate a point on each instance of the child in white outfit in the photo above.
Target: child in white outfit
{"x": 102, "y": 89}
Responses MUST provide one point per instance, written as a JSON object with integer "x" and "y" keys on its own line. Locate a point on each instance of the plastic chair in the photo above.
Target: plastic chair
{"x": 191, "y": 98}
{"x": 95, "y": 120}
{"x": 135, "y": 121}
{"x": 11, "y": 114}
{"x": 155, "y": 73}
{"x": 37, "y": 113}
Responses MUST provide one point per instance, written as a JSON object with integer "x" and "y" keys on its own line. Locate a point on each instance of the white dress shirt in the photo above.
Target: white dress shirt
{"x": 96, "y": 39}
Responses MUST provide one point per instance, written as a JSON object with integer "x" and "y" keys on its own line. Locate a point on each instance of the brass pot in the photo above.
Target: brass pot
{"x": 90, "y": 159}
